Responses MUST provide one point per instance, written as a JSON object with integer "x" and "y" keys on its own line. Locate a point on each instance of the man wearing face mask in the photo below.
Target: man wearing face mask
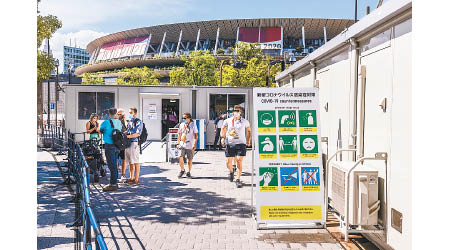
{"x": 187, "y": 141}
{"x": 234, "y": 136}
{"x": 134, "y": 130}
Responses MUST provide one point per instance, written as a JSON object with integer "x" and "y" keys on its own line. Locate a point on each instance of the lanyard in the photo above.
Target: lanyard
{"x": 232, "y": 122}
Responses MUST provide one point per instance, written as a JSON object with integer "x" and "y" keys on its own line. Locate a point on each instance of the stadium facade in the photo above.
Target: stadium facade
{"x": 160, "y": 47}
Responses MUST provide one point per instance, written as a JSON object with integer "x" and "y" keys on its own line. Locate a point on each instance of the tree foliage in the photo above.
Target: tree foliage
{"x": 138, "y": 76}
{"x": 46, "y": 27}
{"x": 202, "y": 68}
{"x": 89, "y": 78}
{"x": 199, "y": 69}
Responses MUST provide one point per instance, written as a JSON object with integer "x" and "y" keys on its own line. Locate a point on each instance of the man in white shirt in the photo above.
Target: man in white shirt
{"x": 233, "y": 134}
{"x": 187, "y": 140}
{"x": 218, "y": 123}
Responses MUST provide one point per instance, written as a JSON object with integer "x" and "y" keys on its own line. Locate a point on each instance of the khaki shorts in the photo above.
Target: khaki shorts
{"x": 132, "y": 153}
{"x": 188, "y": 152}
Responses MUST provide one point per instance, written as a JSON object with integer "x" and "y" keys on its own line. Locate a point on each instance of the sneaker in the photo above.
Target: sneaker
{"x": 110, "y": 188}
{"x": 129, "y": 180}
{"x": 238, "y": 183}
{"x": 123, "y": 179}
{"x": 231, "y": 177}
{"x": 188, "y": 175}
{"x": 181, "y": 174}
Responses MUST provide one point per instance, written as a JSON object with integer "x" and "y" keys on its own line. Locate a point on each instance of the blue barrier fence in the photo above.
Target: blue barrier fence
{"x": 79, "y": 172}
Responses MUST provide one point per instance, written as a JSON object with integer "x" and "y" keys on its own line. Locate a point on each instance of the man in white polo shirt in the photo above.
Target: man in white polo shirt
{"x": 234, "y": 135}
{"x": 187, "y": 141}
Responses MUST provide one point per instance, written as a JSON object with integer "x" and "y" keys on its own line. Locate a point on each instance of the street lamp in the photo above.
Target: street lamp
{"x": 221, "y": 65}
{"x": 56, "y": 92}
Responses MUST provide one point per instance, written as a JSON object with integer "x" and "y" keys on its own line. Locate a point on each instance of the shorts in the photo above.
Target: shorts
{"x": 235, "y": 150}
{"x": 132, "y": 153}
{"x": 189, "y": 153}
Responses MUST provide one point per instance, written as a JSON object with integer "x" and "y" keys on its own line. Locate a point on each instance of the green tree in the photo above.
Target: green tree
{"x": 138, "y": 76}
{"x": 90, "y": 78}
{"x": 256, "y": 71}
{"x": 178, "y": 76}
{"x": 46, "y": 27}
{"x": 203, "y": 69}
{"x": 199, "y": 69}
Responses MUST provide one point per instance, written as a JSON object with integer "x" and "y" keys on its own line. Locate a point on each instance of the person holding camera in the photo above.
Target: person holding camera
{"x": 92, "y": 127}
{"x": 187, "y": 141}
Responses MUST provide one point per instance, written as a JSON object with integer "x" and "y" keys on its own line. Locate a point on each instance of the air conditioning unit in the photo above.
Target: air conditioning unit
{"x": 363, "y": 193}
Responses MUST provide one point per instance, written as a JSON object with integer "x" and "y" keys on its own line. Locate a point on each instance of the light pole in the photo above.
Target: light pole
{"x": 48, "y": 87}
{"x": 56, "y": 92}
{"x": 221, "y": 65}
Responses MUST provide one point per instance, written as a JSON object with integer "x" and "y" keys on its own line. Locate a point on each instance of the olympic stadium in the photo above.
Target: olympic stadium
{"x": 160, "y": 47}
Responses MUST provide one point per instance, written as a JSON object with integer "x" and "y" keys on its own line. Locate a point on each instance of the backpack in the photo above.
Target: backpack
{"x": 143, "y": 136}
{"x": 120, "y": 139}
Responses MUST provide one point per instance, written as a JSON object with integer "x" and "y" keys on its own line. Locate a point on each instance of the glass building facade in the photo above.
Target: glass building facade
{"x": 76, "y": 56}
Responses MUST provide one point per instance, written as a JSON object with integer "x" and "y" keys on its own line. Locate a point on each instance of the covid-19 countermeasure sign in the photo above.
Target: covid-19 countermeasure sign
{"x": 287, "y": 158}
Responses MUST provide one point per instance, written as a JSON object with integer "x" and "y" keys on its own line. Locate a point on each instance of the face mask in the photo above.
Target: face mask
{"x": 184, "y": 120}
{"x": 130, "y": 116}
{"x": 236, "y": 114}
{"x": 94, "y": 120}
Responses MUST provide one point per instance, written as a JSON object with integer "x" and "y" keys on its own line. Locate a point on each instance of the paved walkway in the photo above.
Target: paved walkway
{"x": 164, "y": 212}
{"x": 205, "y": 212}
{"x": 53, "y": 210}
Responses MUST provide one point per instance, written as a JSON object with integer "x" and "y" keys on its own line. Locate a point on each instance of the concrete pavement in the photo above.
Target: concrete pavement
{"x": 164, "y": 212}
{"x": 205, "y": 212}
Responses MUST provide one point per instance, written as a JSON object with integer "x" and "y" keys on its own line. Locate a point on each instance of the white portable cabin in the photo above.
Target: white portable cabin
{"x": 152, "y": 103}
{"x": 364, "y": 81}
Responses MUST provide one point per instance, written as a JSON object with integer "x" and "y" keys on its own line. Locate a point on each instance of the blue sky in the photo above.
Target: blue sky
{"x": 85, "y": 20}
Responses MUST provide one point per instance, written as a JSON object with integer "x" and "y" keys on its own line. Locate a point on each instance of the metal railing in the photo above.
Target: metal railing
{"x": 79, "y": 170}
{"x": 59, "y": 139}
{"x": 54, "y": 137}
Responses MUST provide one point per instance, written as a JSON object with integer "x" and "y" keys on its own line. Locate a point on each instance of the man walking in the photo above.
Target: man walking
{"x": 218, "y": 123}
{"x": 187, "y": 141}
{"x": 111, "y": 151}
{"x": 132, "y": 153}
{"x": 234, "y": 136}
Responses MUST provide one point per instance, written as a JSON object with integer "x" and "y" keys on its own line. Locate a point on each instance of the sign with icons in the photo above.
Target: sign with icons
{"x": 288, "y": 158}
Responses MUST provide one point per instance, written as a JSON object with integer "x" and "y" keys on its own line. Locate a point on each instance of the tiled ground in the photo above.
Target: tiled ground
{"x": 164, "y": 212}
{"x": 54, "y": 210}
{"x": 205, "y": 212}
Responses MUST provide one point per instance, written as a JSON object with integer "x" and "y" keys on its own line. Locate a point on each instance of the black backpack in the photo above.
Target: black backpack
{"x": 120, "y": 139}
{"x": 143, "y": 136}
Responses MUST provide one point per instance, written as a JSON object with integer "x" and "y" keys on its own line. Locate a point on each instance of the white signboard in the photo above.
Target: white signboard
{"x": 288, "y": 158}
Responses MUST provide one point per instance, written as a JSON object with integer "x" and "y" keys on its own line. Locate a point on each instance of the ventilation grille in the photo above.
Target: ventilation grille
{"x": 338, "y": 190}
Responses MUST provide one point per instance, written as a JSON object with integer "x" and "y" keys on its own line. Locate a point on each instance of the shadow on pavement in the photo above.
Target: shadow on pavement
{"x": 160, "y": 200}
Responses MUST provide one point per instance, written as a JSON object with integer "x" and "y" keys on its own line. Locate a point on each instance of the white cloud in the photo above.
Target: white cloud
{"x": 82, "y": 38}
{"x": 83, "y": 14}
{"x": 81, "y": 18}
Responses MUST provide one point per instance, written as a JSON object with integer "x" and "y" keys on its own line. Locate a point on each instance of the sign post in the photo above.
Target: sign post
{"x": 288, "y": 159}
